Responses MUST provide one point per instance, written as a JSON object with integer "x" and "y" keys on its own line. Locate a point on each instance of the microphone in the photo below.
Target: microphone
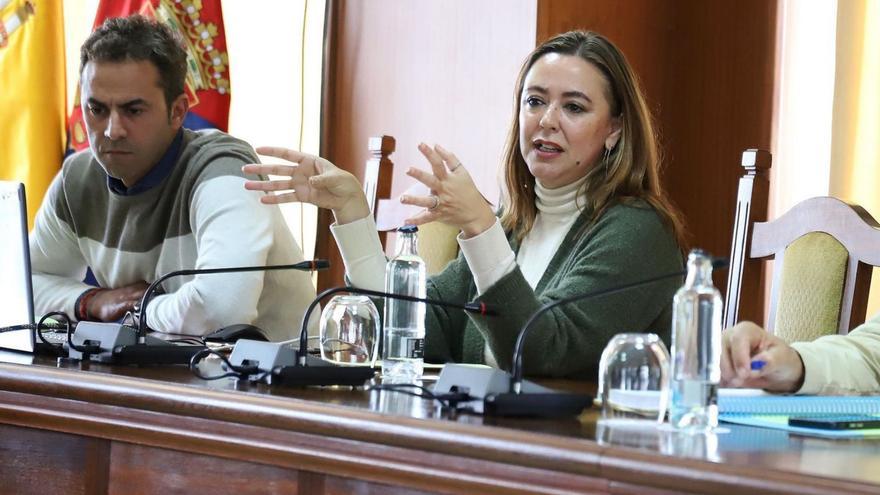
{"x": 123, "y": 344}
{"x": 522, "y": 398}
{"x": 309, "y": 265}
{"x": 280, "y": 363}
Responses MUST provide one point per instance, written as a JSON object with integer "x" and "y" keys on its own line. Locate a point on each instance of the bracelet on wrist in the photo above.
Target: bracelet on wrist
{"x": 82, "y": 304}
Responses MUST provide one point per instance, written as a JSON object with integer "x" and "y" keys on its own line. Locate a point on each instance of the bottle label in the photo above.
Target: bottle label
{"x": 415, "y": 347}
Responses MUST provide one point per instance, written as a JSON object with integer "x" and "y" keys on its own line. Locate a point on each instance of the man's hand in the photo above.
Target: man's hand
{"x": 783, "y": 369}
{"x": 111, "y": 304}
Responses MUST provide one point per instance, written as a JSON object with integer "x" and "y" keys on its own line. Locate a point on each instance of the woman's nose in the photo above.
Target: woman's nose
{"x": 550, "y": 119}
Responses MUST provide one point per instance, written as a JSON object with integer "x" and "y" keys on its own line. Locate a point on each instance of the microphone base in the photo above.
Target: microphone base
{"x": 541, "y": 405}
{"x": 490, "y": 390}
{"x": 321, "y": 375}
{"x": 145, "y": 355}
{"x": 279, "y": 362}
{"x": 117, "y": 344}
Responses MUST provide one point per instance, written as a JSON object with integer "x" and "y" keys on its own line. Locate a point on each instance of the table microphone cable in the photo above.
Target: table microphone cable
{"x": 69, "y": 325}
{"x": 239, "y": 372}
{"x": 448, "y": 401}
{"x": 42, "y": 325}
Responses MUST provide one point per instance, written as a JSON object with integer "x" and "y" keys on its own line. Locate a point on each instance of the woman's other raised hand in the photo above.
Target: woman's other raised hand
{"x": 454, "y": 200}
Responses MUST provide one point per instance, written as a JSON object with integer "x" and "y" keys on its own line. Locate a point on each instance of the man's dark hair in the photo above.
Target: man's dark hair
{"x": 138, "y": 38}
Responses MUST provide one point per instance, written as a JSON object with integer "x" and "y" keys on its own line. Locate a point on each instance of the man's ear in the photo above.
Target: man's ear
{"x": 614, "y": 136}
{"x": 178, "y": 111}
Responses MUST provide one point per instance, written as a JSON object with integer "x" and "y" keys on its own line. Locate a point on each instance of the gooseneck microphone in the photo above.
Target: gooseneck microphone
{"x": 309, "y": 265}
{"x": 515, "y": 402}
{"x": 122, "y": 344}
{"x": 278, "y": 363}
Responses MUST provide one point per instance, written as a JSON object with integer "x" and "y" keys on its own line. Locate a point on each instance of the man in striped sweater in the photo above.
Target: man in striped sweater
{"x": 149, "y": 197}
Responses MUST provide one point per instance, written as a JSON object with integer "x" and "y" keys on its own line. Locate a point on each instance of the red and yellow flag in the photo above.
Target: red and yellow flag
{"x": 200, "y": 24}
{"x": 32, "y": 94}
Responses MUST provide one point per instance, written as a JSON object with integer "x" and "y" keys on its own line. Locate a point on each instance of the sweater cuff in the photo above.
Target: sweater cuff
{"x": 361, "y": 252}
{"x": 817, "y": 373}
{"x": 489, "y": 256}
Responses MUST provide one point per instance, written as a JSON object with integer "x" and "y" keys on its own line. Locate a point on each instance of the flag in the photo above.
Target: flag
{"x": 32, "y": 94}
{"x": 200, "y": 25}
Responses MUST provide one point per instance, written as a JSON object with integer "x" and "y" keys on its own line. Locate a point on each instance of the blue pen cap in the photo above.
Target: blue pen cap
{"x": 408, "y": 229}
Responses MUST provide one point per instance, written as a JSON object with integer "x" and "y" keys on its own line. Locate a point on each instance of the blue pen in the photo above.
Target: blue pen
{"x": 758, "y": 365}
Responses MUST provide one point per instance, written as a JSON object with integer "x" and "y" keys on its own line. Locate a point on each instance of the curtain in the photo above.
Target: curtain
{"x": 855, "y": 135}
{"x": 277, "y": 48}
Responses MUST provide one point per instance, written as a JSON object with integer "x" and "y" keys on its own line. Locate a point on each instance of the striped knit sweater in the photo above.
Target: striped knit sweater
{"x": 199, "y": 216}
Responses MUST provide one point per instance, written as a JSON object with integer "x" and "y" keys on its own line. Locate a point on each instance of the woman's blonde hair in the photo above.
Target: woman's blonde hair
{"x": 629, "y": 173}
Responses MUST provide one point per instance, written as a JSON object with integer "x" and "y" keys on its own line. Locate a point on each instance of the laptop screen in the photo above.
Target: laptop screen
{"x": 16, "y": 292}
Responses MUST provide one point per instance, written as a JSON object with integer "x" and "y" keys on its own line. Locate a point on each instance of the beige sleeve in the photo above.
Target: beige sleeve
{"x": 843, "y": 364}
{"x": 361, "y": 252}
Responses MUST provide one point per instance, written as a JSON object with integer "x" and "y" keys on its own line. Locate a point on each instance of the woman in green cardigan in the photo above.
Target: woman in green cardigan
{"x": 582, "y": 210}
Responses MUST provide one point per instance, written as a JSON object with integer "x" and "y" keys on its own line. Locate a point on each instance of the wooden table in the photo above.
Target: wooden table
{"x": 71, "y": 428}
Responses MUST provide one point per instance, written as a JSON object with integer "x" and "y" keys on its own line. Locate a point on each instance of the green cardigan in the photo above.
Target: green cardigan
{"x": 626, "y": 244}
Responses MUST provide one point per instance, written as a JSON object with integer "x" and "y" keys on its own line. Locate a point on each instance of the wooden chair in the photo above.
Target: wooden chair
{"x": 823, "y": 251}
{"x": 378, "y": 173}
{"x": 437, "y": 243}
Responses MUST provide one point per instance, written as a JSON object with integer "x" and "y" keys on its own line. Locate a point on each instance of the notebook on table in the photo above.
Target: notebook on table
{"x": 775, "y": 410}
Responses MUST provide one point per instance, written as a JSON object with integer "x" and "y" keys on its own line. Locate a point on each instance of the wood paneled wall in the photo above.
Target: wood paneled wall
{"x": 707, "y": 67}
{"x": 421, "y": 71}
{"x": 444, "y": 72}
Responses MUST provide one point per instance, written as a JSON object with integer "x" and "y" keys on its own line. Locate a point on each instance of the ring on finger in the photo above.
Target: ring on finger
{"x": 436, "y": 202}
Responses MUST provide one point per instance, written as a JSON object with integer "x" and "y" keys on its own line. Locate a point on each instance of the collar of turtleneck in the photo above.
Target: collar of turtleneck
{"x": 558, "y": 201}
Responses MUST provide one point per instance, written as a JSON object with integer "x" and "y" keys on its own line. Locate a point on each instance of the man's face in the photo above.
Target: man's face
{"x": 127, "y": 119}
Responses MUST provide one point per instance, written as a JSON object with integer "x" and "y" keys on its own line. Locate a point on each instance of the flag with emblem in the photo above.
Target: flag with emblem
{"x": 32, "y": 94}
{"x": 200, "y": 25}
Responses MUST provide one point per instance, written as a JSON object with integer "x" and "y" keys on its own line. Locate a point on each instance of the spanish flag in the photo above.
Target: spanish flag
{"x": 32, "y": 94}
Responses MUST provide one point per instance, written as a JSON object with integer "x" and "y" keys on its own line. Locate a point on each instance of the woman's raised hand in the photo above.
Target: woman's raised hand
{"x": 311, "y": 179}
{"x": 454, "y": 198}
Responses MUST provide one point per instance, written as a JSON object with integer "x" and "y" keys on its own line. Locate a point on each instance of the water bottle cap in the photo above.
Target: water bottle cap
{"x": 408, "y": 229}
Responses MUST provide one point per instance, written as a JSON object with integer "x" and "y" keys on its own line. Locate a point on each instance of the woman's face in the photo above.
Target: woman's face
{"x": 564, "y": 119}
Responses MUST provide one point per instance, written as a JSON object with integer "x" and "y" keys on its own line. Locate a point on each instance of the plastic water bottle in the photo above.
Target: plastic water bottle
{"x": 696, "y": 348}
{"x": 404, "y": 322}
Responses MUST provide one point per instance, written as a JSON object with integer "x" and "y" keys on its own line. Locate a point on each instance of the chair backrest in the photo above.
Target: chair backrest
{"x": 437, "y": 243}
{"x": 824, "y": 251}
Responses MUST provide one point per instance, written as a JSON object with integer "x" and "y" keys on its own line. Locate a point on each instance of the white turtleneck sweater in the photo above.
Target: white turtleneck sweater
{"x": 488, "y": 254}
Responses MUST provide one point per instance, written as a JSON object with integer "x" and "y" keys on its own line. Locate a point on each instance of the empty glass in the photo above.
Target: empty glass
{"x": 634, "y": 378}
{"x": 349, "y": 330}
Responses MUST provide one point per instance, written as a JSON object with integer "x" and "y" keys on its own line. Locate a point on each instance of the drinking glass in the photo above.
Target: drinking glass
{"x": 349, "y": 330}
{"x": 634, "y": 378}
